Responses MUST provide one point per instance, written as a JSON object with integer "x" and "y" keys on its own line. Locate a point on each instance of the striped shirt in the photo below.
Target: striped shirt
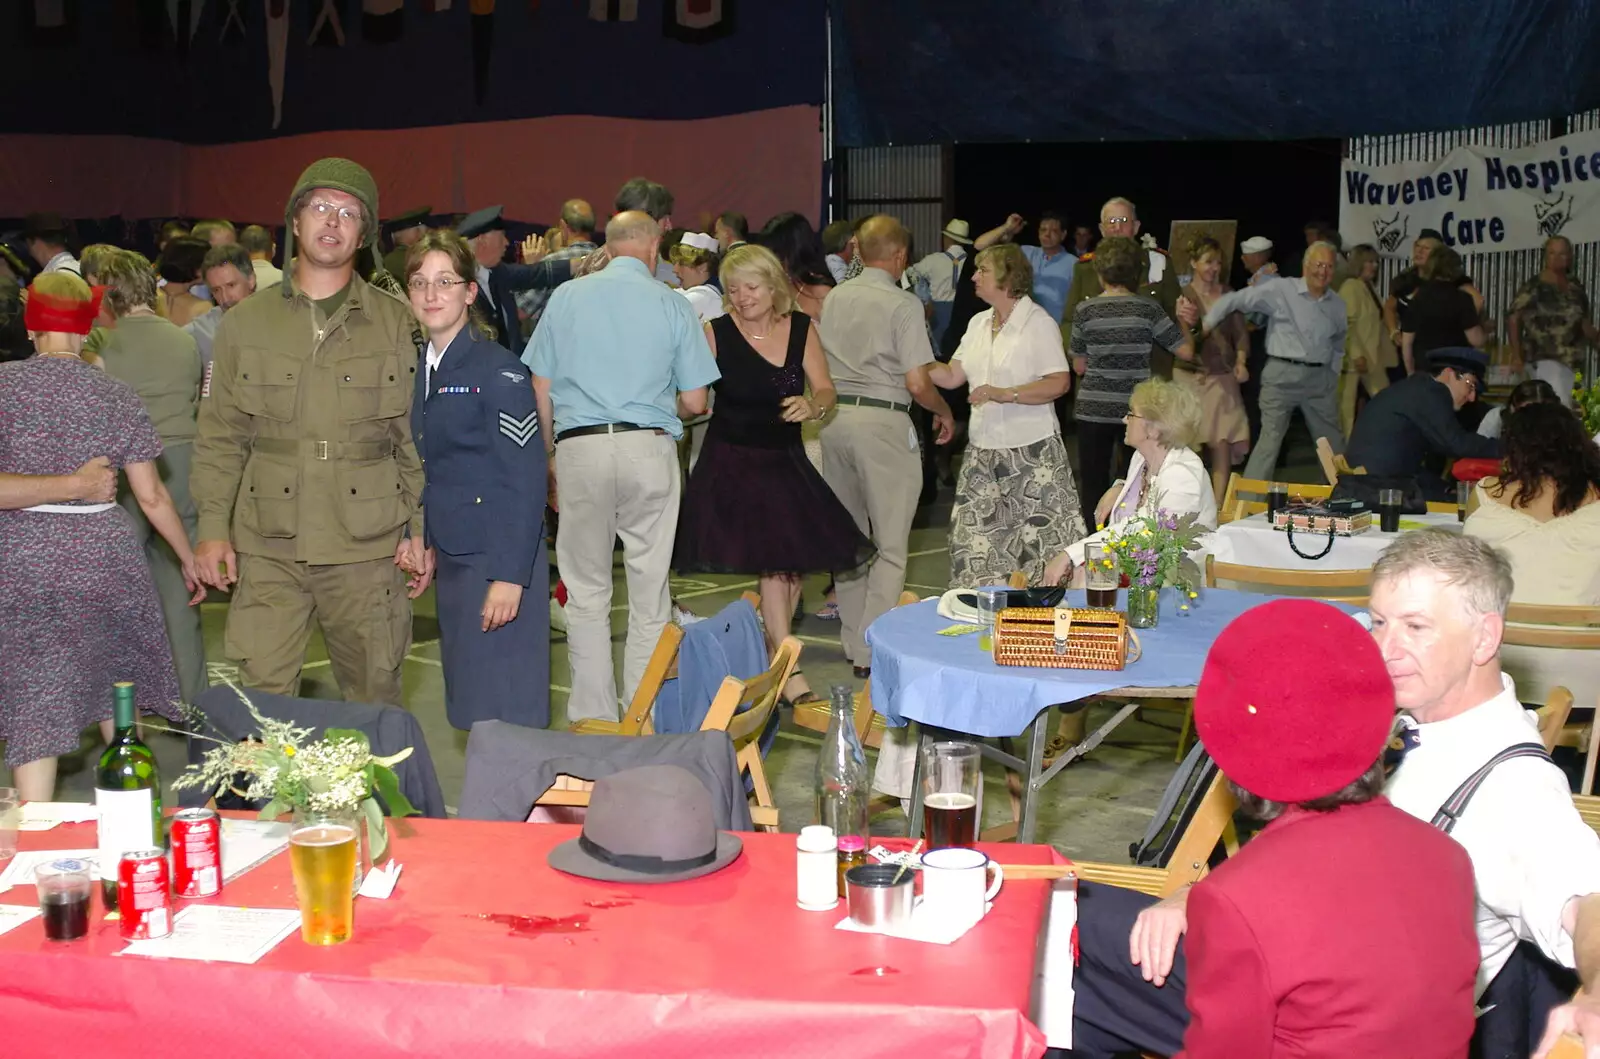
{"x": 1116, "y": 332}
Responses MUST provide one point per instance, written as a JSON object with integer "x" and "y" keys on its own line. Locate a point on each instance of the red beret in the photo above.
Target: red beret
{"x": 1294, "y": 702}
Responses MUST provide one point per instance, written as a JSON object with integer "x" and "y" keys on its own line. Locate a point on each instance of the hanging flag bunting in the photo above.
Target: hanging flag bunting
{"x": 482, "y": 46}
{"x": 50, "y": 23}
{"x": 184, "y": 18}
{"x": 277, "y": 49}
{"x": 615, "y": 10}
{"x": 382, "y": 21}
{"x": 327, "y": 30}
{"x": 233, "y": 24}
{"x": 697, "y": 21}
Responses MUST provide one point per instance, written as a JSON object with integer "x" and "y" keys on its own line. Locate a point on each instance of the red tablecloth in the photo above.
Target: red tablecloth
{"x": 723, "y": 965}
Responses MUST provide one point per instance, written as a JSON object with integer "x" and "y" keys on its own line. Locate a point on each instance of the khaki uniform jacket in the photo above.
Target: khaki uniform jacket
{"x": 304, "y": 443}
{"x": 1086, "y": 284}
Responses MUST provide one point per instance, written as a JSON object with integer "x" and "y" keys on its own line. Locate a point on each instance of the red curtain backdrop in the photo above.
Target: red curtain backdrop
{"x": 759, "y": 163}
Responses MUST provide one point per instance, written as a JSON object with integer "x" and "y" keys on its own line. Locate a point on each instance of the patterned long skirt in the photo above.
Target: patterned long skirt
{"x": 1016, "y": 509}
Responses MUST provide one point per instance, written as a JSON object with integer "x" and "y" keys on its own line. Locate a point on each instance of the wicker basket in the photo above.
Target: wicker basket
{"x": 1095, "y": 639}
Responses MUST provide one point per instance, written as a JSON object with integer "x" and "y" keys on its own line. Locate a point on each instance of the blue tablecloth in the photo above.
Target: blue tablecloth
{"x": 918, "y": 675}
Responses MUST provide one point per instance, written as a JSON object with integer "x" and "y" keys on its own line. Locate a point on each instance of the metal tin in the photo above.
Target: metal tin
{"x": 144, "y": 894}
{"x": 196, "y": 853}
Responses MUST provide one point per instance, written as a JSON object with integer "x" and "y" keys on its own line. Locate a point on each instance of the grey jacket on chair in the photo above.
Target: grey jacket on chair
{"x": 388, "y": 729}
{"x": 509, "y": 767}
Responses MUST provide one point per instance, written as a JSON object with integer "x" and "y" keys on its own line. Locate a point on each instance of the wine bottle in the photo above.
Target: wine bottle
{"x": 127, "y": 794}
{"x": 843, "y": 784}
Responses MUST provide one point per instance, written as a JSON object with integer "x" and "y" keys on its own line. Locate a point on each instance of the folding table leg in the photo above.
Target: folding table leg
{"x": 1030, "y": 791}
{"x": 914, "y": 817}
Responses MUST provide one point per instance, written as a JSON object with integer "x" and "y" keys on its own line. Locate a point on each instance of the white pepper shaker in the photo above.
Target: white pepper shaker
{"x": 816, "y": 868}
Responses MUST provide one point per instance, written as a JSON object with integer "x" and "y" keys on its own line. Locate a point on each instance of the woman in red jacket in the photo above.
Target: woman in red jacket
{"x": 1345, "y": 927}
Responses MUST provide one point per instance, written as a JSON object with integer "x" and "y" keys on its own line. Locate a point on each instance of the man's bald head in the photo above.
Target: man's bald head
{"x": 577, "y": 217}
{"x": 635, "y": 234}
{"x": 884, "y": 243}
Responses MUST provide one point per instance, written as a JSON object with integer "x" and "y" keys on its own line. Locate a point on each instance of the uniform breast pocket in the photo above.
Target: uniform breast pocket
{"x": 373, "y": 387}
{"x": 455, "y": 519}
{"x": 370, "y": 501}
{"x": 268, "y": 384}
{"x": 269, "y": 497}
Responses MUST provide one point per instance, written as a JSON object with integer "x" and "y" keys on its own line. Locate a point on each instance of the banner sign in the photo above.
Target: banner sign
{"x": 1480, "y": 199}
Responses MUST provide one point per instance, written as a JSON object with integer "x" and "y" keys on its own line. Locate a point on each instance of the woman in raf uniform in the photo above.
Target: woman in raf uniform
{"x": 479, "y": 436}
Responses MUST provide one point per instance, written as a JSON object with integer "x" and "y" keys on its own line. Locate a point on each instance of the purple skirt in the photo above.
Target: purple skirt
{"x": 753, "y": 510}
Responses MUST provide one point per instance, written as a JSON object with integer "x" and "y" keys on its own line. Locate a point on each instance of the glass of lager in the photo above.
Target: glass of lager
{"x": 952, "y": 793}
{"x": 322, "y": 852}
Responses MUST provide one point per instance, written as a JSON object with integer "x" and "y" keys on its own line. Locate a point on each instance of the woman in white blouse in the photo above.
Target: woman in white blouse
{"x": 1164, "y": 474}
{"x": 1016, "y": 502}
{"x": 694, "y": 260}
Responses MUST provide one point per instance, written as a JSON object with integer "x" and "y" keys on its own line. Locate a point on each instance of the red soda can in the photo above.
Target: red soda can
{"x": 144, "y": 894}
{"x": 196, "y": 853}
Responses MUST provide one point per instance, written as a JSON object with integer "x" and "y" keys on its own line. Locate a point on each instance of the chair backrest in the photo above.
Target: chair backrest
{"x": 1535, "y": 625}
{"x": 742, "y": 707}
{"x": 1553, "y": 716}
{"x": 1248, "y": 496}
{"x": 1330, "y": 466}
{"x": 1195, "y": 811}
{"x": 662, "y": 667}
{"x": 1255, "y": 578}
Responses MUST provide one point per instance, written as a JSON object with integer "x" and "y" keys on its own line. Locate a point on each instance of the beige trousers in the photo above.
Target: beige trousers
{"x": 871, "y": 461}
{"x": 610, "y": 486}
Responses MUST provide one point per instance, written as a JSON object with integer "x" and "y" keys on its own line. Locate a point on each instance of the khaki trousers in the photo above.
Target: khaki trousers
{"x": 871, "y": 461}
{"x": 610, "y": 486}
{"x": 183, "y": 621}
{"x": 361, "y": 607}
{"x": 1350, "y": 381}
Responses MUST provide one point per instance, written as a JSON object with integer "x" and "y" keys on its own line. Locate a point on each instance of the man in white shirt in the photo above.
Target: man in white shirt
{"x": 1438, "y": 611}
{"x": 262, "y": 248}
{"x": 943, "y": 271}
{"x": 46, "y": 236}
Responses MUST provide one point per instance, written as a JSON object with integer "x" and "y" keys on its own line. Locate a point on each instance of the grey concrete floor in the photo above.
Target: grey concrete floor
{"x": 1093, "y": 809}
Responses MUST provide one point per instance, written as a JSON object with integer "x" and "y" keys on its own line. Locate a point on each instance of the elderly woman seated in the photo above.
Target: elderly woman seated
{"x": 1164, "y": 473}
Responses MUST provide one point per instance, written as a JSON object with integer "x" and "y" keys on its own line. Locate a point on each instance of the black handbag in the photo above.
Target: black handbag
{"x": 1364, "y": 489}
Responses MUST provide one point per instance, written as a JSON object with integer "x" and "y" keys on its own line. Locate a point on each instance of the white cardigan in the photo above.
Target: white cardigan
{"x": 1184, "y": 487}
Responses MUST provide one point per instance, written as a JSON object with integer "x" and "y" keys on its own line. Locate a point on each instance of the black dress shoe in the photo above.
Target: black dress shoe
{"x": 861, "y": 672}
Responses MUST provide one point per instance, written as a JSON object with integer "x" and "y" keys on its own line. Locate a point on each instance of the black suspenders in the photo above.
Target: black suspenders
{"x": 1450, "y": 812}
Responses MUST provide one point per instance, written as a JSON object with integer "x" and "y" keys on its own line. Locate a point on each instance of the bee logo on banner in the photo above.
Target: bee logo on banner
{"x": 1479, "y": 198}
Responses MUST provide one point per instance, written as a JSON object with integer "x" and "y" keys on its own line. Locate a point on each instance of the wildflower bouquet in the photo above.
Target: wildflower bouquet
{"x": 1153, "y": 550}
{"x": 288, "y": 769}
{"x": 1587, "y": 398}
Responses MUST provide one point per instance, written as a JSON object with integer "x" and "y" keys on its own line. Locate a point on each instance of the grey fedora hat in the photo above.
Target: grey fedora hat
{"x": 647, "y": 825}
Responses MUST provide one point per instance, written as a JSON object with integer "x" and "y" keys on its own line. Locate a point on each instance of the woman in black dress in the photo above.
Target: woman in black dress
{"x": 755, "y": 504}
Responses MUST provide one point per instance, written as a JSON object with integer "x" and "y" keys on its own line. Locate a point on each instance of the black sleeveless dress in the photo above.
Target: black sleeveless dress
{"x": 754, "y": 504}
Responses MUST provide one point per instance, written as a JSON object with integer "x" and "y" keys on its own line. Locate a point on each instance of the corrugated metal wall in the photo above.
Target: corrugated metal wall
{"x": 907, "y": 182}
{"x": 1498, "y": 275}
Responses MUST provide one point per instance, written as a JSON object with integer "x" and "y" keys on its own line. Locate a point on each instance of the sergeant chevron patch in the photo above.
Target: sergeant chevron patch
{"x": 521, "y": 430}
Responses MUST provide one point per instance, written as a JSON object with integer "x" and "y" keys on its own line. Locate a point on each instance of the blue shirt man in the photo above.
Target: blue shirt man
{"x": 617, "y": 357}
{"x": 1052, "y": 265}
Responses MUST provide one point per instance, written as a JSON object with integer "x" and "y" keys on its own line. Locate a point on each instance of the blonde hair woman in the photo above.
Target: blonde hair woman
{"x": 1016, "y": 502}
{"x": 1218, "y": 369}
{"x": 1164, "y": 474}
{"x": 1368, "y": 352}
{"x": 754, "y": 503}
{"x": 78, "y": 609}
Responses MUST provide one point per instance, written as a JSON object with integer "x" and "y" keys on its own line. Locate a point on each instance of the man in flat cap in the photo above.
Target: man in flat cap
{"x": 499, "y": 280}
{"x": 306, "y": 479}
{"x": 1411, "y": 428}
{"x": 402, "y": 231}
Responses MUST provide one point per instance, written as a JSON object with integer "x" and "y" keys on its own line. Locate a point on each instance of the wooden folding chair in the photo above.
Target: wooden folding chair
{"x": 1553, "y": 717}
{"x": 1329, "y": 462}
{"x": 1236, "y": 505}
{"x": 1212, "y": 823}
{"x": 1561, "y": 629}
{"x": 756, "y": 698}
{"x": 662, "y": 667}
{"x": 869, "y": 723}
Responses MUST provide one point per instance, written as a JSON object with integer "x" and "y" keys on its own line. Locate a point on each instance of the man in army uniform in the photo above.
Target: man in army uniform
{"x": 402, "y": 232}
{"x": 1118, "y": 217}
{"x": 305, "y": 473}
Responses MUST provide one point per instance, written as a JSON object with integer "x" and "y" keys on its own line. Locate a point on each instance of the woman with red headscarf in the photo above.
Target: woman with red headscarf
{"x": 78, "y": 610}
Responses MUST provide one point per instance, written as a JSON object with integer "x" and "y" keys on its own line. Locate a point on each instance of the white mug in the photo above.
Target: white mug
{"x": 955, "y": 883}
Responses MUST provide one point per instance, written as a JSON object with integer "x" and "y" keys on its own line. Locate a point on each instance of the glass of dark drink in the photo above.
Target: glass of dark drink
{"x": 1277, "y": 498}
{"x": 1463, "y": 496}
{"x": 952, "y": 793}
{"x": 1389, "y": 510}
{"x": 64, "y": 887}
{"x": 1100, "y": 577}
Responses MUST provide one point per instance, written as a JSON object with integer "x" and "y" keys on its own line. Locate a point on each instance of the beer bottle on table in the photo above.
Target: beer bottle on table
{"x": 843, "y": 783}
{"x": 127, "y": 794}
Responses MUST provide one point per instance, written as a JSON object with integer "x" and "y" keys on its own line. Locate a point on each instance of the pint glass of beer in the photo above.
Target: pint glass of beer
{"x": 952, "y": 793}
{"x": 322, "y": 853}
